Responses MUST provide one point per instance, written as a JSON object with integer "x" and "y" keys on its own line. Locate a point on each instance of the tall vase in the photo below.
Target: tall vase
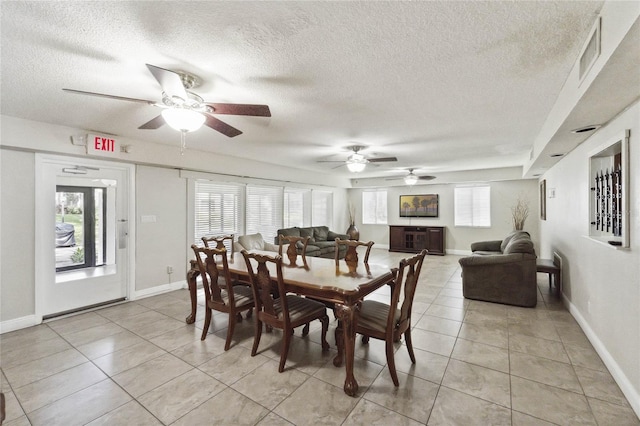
{"x": 353, "y": 232}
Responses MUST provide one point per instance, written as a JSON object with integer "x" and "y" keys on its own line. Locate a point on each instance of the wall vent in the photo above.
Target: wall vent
{"x": 591, "y": 51}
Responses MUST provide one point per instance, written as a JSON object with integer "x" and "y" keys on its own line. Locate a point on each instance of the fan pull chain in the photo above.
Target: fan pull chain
{"x": 183, "y": 141}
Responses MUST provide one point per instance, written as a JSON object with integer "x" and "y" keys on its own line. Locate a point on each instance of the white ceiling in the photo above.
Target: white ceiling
{"x": 443, "y": 86}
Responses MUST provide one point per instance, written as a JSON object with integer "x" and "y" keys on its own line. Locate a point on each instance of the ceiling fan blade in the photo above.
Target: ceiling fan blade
{"x": 382, "y": 159}
{"x": 221, "y": 126}
{"x": 426, "y": 177}
{"x": 153, "y": 124}
{"x": 241, "y": 109}
{"x": 170, "y": 81}
{"x": 102, "y": 95}
{"x": 330, "y": 161}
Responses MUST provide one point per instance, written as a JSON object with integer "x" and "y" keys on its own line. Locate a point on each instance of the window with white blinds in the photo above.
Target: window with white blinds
{"x": 322, "y": 208}
{"x": 264, "y": 210}
{"x": 374, "y": 207}
{"x": 472, "y": 206}
{"x": 297, "y": 207}
{"x": 217, "y": 209}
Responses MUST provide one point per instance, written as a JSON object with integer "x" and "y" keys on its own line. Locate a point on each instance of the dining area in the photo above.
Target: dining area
{"x": 290, "y": 292}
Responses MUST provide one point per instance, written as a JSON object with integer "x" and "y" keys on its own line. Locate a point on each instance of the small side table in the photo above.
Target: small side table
{"x": 553, "y": 268}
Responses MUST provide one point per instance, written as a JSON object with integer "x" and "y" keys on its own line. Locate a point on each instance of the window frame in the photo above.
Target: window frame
{"x": 473, "y": 206}
{"x": 380, "y": 194}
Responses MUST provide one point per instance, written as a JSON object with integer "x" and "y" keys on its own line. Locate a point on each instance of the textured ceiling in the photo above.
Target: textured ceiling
{"x": 443, "y": 86}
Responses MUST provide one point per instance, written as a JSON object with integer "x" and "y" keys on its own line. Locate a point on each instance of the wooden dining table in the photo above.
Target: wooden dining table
{"x": 321, "y": 278}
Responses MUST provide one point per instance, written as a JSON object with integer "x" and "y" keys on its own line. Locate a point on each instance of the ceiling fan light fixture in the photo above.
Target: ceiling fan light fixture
{"x": 410, "y": 179}
{"x": 356, "y": 163}
{"x": 183, "y": 119}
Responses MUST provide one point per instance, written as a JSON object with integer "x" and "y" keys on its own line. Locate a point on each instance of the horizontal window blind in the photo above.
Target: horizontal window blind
{"x": 322, "y": 208}
{"x": 264, "y": 210}
{"x": 297, "y": 207}
{"x": 374, "y": 207}
{"x": 217, "y": 208}
{"x": 472, "y": 206}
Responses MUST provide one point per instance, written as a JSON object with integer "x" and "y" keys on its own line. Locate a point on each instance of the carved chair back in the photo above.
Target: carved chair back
{"x": 293, "y": 243}
{"x": 351, "y": 256}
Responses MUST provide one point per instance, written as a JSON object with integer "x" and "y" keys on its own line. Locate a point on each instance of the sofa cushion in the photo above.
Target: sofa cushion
{"x": 512, "y": 235}
{"x": 320, "y": 233}
{"x": 252, "y": 241}
{"x": 307, "y": 232}
{"x": 324, "y": 244}
{"x": 519, "y": 245}
{"x": 289, "y": 232}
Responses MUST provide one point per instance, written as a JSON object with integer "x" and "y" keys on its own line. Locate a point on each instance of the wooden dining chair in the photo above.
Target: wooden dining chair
{"x": 387, "y": 322}
{"x": 286, "y": 312}
{"x": 221, "y": 297}
{"x": 351, "y": 256}
{"x": 293, "y": 244}
{"x": 219, "y": 241}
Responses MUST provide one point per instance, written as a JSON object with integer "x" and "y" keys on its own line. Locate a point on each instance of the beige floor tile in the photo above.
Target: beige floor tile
{"x": 364, "y": 371}
{"x": 600, "y": 385}
{"x": 483, "y": 355}
{"x": 308, "y": 357}
{"x": 38, "y": 394}
{"x": 159, "y": 301}
{"x": 541, "y": 329}
{"x": 174, "y": 339}
{"x": 485, "y": 319}
{"x": 122, "y": 311}
{"x": 88, "y": 335}
{"x": 413, "y": 397}
{"x": 495, "y": 310}
{"x": 369, "y": 413}
{"x": 96, "y": 401}
{"x": 131, "y": 413}
{"x": 233, "y": 365}
{"x": 374, "y": 351}
{"x": 128, "y": 357}
{"x": 13, "y": 410}
{"x": 453, "y": 408}
{"x": 20, "y": 421}
{"x": 447, "y": 312}
{"x": 585, "y": 357}
{"x": 481, "y": 382}
{"x": 273, "y": 419}
{"x": 16, "y": 354}
{"x": 268, "y": 387}
{"x": 428, "y": 366}
{"x": 332, "y": 408}
{"x": 201, "y": 351}
{"x": 545, "y": 371}
{"x": 452, "y": 302}
{"x": 44, "y": 367}
{"x": 544, "y": 348}
{"x": 439, "y": 325}
{"x": 151, "y": 374}
{"x": 109, "y": 344}
{"x": 521, "y": 419}
{"x": 179, "y": 396}
{"x": 226, "y": 408}
{"x": 573, "y": 335}
{"x": 550, "y": 403}
{"x": 432, "y": 342}
{"x": 77, "y": 323}
{"x": 495, "y": 335}
{"x": 607, "y": 413}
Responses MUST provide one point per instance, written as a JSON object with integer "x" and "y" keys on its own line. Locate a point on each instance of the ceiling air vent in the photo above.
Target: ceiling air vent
{"x": 591, "y": 50}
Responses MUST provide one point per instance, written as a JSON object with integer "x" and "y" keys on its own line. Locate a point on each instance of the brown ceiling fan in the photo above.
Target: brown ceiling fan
{"x": 412, "y": 178}
{"x": 185, "y": 110}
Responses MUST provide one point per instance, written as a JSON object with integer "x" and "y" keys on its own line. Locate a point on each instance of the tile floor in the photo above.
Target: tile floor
{"x": 477, "y": 364}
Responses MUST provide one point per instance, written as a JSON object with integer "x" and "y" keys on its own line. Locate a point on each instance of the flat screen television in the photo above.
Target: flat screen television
{"x": 419, "y": 205}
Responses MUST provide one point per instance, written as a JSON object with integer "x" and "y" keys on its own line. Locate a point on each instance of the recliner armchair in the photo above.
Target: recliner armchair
{"x": 502, "y": 271}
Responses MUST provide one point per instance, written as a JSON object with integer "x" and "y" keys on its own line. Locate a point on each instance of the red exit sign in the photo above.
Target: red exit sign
{"x": 102, "y": 145}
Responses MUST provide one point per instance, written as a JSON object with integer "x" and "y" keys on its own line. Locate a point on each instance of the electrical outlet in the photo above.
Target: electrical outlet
{"x": 169, "y": 269}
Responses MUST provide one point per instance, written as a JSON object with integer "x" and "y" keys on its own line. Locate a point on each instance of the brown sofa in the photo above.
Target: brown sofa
{"x": 501, "y": 271}
{"x": 322, "y": 242}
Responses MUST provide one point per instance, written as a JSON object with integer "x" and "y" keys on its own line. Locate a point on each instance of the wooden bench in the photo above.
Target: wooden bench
{"x": 553, "y": 267}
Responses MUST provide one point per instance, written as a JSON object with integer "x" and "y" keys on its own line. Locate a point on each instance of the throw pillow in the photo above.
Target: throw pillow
{"x": 307, "y": 232}
{"x": 320, "y": 233}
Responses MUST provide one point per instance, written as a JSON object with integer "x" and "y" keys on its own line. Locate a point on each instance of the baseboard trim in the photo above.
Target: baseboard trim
{"x": 19, "y": 323}
{"x": 154, "y": 291}
{"x": 632, "y": 394}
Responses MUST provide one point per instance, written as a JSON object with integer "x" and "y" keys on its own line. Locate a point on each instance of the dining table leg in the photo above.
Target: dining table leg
{"x": 345, "y": 340}
{"x": 192, "y": 275}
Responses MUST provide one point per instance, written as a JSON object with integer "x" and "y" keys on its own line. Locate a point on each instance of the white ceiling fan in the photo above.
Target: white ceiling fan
{"x": 357, "y": 162}
{"x": 412, "y": 178}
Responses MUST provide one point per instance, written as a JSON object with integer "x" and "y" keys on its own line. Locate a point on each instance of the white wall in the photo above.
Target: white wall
{"x": 458, "y": 239}
{"x": 601, "y": 284}
{"x": 160, "y": 192}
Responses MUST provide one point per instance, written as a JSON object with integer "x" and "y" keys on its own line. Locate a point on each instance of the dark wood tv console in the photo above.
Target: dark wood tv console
{"x": 412, "y": 239}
